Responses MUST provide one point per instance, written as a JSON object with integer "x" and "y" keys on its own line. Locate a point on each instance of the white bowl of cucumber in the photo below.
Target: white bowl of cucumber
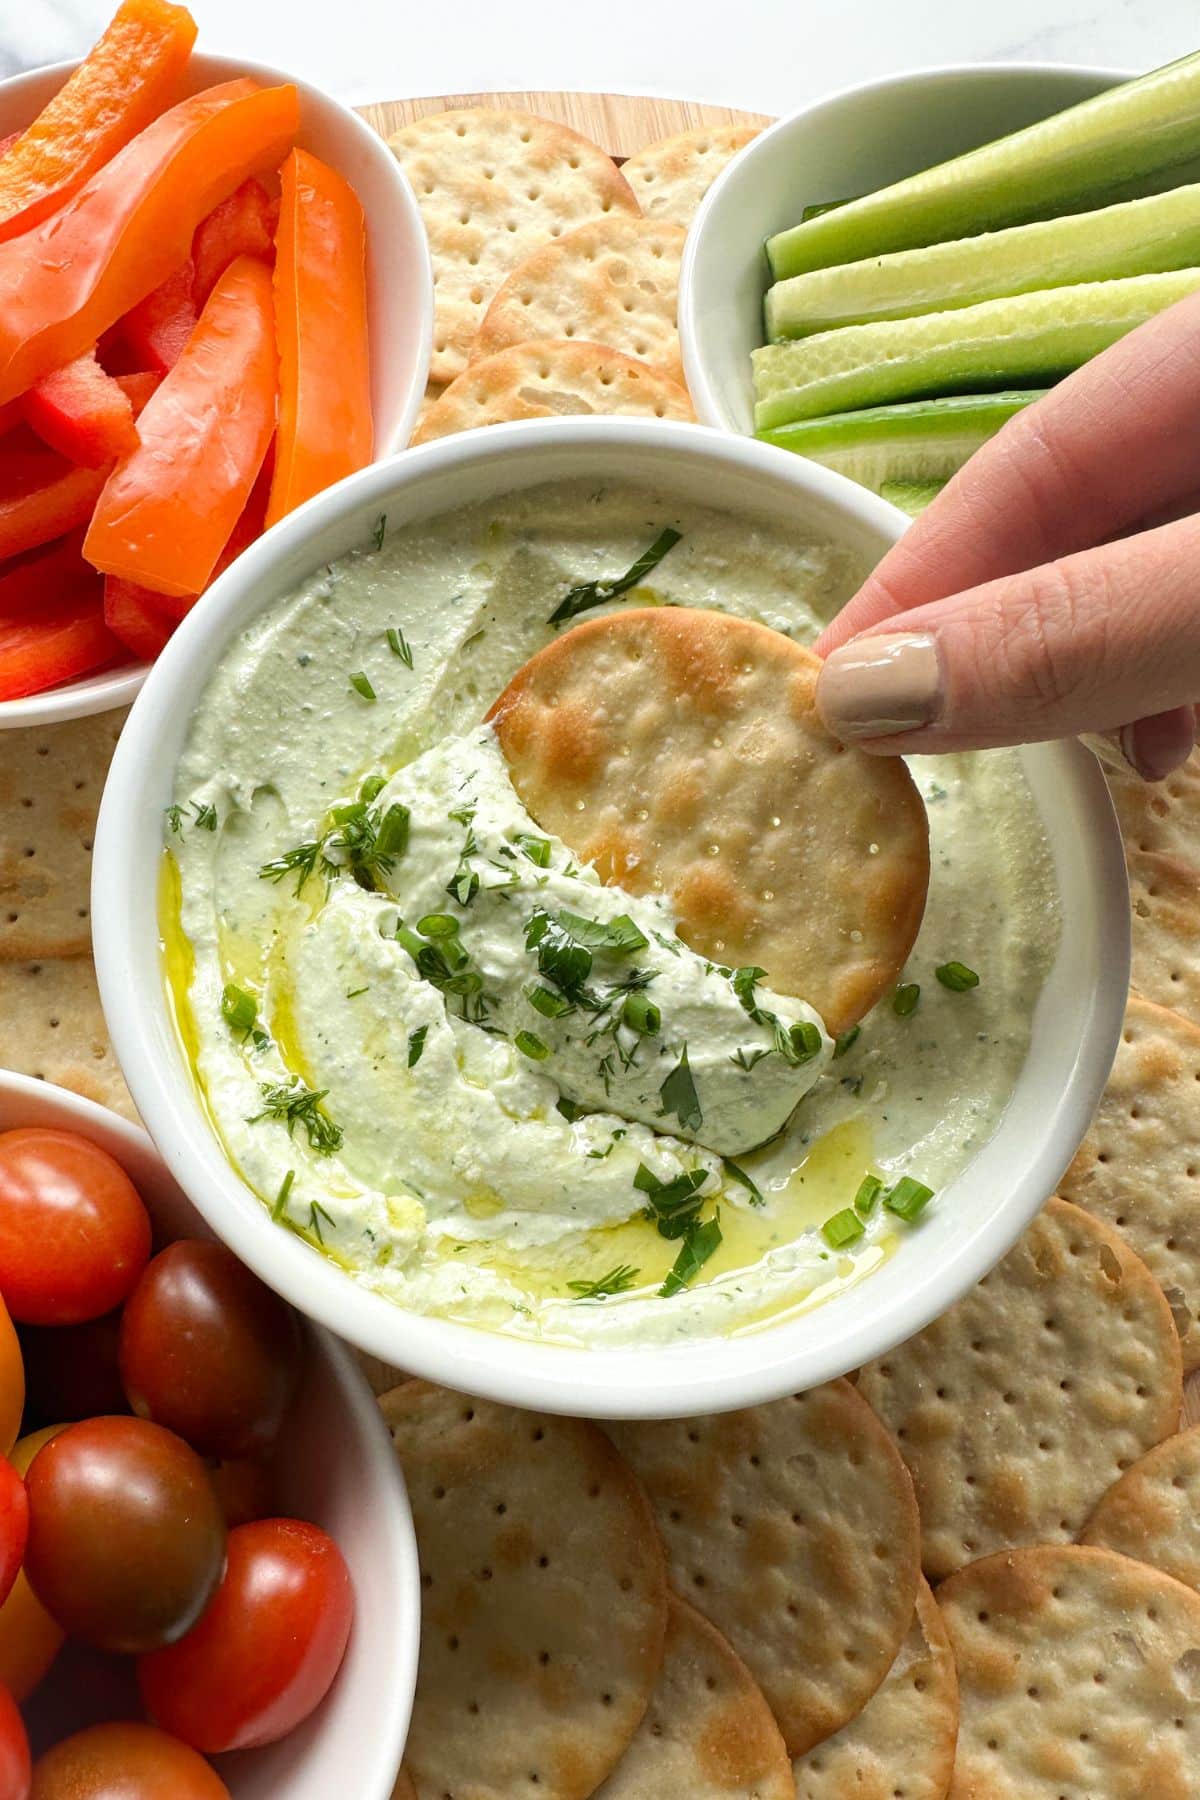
{"x": 917, "y": 289}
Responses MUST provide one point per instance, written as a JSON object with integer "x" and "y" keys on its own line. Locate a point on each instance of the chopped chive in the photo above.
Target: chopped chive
{"x": 537, "y": 849}
{"x": 904, "y": 1000}
{"x": 846, "y": 1041}
{"x": 360, "y": 684}
{"x": 377, "y": 533}
{"x": 805, "y": 1039}
{"x": 399, "y": 645}
{"x": 281, "y": 1198}
{"x": 416, "y": 1044}
{"x": 238, "y": 1008}
{"x": 956, "y": 976}
{"x": 438, "y": 925}
{"x": 908, "y": 1198}
{"x": 392, "y": 837}
{"x": 372, "y": 787}
{"x": 698, "y": 1245}
{"x": 843, "y": 1228}
{"x": 641, "y": 1015}
{"x": 550, "y": 1005}
{"x": 617, "y": 1281}
{"x": 598, "y": 593}
{"x": 409, "y": 940}
{"x": 869, "y": 1190}
{"x": 353, "y": 993}
{"x": 530, "y": 1044}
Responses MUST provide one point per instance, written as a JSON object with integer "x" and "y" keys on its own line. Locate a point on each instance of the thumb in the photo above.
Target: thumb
{"x": 1087, "y": 643}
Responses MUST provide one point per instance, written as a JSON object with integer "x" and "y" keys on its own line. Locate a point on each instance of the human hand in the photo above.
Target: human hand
{"x": 1042, "y": 593}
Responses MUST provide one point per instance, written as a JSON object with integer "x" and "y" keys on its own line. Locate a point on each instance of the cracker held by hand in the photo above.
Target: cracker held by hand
{"x": 553, "y": 380}
{"x": 544, "y": 1600}
{"x": 615, "y": 281}
{"x": 681, "y": 753}
{"x": 671, "y": 178}
{"x": 1153, "y": 1512}
{"x": 794, "y": 1529}
{"x": 708, "y": 1733}
{"x": 1077, "y": 1673}
{"x": 1138, "y": 1168}
{"x": 492, "y": 186}
{"x": 908, "y": 1727}
{"x": 1022, "y": 1403}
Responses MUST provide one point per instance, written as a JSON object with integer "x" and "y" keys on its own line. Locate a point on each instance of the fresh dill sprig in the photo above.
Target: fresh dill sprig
{"x": 295, "y": 1104}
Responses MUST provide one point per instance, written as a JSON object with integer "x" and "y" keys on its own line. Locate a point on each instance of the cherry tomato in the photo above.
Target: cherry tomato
{"x": 209, "y": 1351}
{"x": 14, "y": 1751}
{"x": 264, "y": 1654}
{"x": 245, "y": 1489}
{"x": 126, "y": 1538}
{"x": 71, "y": 1370}
{"x": 14, "y": 1528}
{"x": 12, "y": 1383}
{"x": 74, "y": 1236}
{"x": 29, "y": 1638}
{"x": 125, "y": 1762}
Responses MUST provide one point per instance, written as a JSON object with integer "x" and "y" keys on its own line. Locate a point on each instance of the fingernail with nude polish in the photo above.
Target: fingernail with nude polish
{"x": 878, "y": 686}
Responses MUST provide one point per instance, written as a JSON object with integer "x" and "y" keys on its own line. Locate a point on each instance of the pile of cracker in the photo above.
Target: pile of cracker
{"x": 555, "y": 272}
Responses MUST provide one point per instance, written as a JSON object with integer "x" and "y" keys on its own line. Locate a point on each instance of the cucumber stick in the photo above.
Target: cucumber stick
{"x": 1138, "y": 237}
{"x": 911, "y": 497}
{"x": 1117, "y": 136}
{"x": 1026, "y": 340}
{"x": 917, "y": 443}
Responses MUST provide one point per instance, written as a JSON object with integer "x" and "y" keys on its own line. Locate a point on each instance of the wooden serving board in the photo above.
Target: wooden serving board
{"x": 621, "y": 123}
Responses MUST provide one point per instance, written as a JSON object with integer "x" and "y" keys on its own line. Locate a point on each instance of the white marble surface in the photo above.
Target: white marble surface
{"x": 765, "y": 54}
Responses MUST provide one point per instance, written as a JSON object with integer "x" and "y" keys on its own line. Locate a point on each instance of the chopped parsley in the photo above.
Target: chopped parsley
{"x": 956, "y": 976}
{"x": 699, "y": 1243}
{"x": 537, "y": 849}
{"x": 296, "y": 1104}
{"x": 671, "y": 1205}
{"x": 597, "y": 593}
{"x": 678, "y": 1095}
{"x": 617, "y": 1281}
{"x": 620, "y": 936}
{"x": 739, "y": 1175}
{"x": 399, "y": 645}
{"x": 416, "y": 1045}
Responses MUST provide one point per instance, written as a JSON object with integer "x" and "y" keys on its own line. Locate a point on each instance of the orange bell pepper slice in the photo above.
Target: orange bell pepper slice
{"x": 129, "y": 77}
{"x": 325, "y": 428}
{"x": 166, "y": 513}
{"x": 82, "y": 413}
{"x": 65, "y": 282}
{"x": 60, "y": 642}
{"x": 42, "y": 495}
{"x": 243, "y": 225}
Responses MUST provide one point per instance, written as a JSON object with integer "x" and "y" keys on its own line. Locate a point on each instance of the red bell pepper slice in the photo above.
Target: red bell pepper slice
{"x": 82, "y": 413}
{"x": 134, "y": 71}
{"x": 45, "y": 649}
{"x": 42, "y": 577}
{"x": 133, "y": 615}
{"x": 158, "y": 327}
{"x": 167, "y": 512}
{"x": 139, "y": 386}
{"x": 325, "y": 427}
{"x": 42, "y": 495}
{"x": 243, "y": 225}
{"x": 10, "y": 416}
{"x": 65, "y": 282}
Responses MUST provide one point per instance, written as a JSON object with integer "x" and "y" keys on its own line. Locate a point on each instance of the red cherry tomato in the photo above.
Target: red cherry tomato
{"x": 266, "y": 1651}
{"x": 126, "y": 1538}
{"x": 12, "y": 1383}
{"x": 209, "y": 1351}
{"x": 71, "y": 1370}
{"x": 74, "y": 1235}
{"x": 14, "y": 1528}
{"x": 14, "y": 1751}
{"x": 29, "y": 1638}
{"x": 124, "y": 1762}
{"x": 245, "y": 1489}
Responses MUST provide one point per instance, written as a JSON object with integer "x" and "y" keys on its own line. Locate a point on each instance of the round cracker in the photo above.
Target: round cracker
{"x": 670, "y": 178}
{"x": 615, "y": 281}
{"x": 681, "y": 752}
{"x": 901, "y": 1746}
{"x": 793, "y": 1527}
{"x": 708, "y": 1733}
{"x": 1138, "y": 1167}
{"x": 544, "y": 1605}
{"x": 1078, "y": 1673}
{"x": 492, "y": 186}
{"x": 52, "y": 1027}
{"x": 549, "y": 380}
{"x": 1153, "y": 1512}
{"x": 1017, "y": 1408}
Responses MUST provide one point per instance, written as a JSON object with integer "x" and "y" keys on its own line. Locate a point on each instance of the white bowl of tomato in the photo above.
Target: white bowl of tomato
{"x": 268, "y": 1598}
{"x": 215, "y": 300}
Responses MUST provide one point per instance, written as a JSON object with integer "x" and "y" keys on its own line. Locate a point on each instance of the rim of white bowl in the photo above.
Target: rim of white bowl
{"x": 111, "y": 688}
{"x": 703, "y": 1375}
{"x": 27, "y": 1100}
{"x": 710, "y": 409}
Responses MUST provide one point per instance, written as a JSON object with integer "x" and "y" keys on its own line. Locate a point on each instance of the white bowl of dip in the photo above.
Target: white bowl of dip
{"x": 399, "y": 299}
{"x": 335, "y": 1466}
{"x": 1072, "y": 1036}
{"x": 847, "y": 144}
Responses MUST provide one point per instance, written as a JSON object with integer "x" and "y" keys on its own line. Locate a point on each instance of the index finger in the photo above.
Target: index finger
{"x": 1114, "y": 441}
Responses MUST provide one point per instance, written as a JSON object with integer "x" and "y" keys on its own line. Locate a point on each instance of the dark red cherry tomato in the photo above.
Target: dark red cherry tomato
{"x": 266, "y": 1651}
{"x": 209, "y": 1351}
{"x": 71, "y": 1371}
{"x": 74, "y": 1235}
{"x": 14, "y": 1529}
{"x": 14, "y": 1751}
{"x": 125, "y": 1762}
{"x": 126, "y": 1538}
